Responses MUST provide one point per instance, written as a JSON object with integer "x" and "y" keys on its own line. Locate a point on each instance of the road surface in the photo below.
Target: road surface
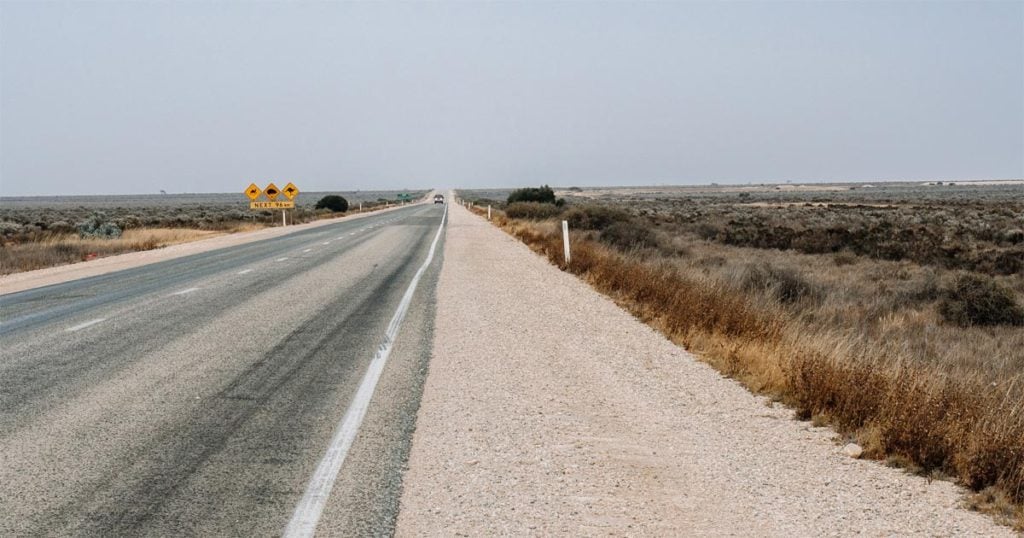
{"x": 198, "y": 396}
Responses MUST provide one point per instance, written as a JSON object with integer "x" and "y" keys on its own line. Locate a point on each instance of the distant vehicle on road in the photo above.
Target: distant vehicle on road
{"x": 438, "y": 198}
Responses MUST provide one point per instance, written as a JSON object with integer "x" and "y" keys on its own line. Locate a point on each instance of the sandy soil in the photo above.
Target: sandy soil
{"x": 549, "y": 410}
{"x": 55, "y": 275}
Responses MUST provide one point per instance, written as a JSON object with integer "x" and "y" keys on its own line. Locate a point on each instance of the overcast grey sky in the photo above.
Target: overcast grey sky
{"x": 135, "y": 97}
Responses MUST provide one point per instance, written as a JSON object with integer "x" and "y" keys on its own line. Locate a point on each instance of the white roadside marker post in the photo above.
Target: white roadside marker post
{"x": 488, "y": 211}
{"x": 360, "y": 207}
{"x": 284, "y": 222}
{"x": 565, "y": 240}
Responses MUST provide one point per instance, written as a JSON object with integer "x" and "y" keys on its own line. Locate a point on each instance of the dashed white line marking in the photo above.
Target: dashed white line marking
{"x": 184, "y": 291}
{"x": 244, "y": 271}
{"x": 353, "y": 233}
{"x": 86, "y": 324}
{"x": 307, "y": 250}
{"x": 281, "y": 259}
{"x": 307, "y": 513}
{"x": 326, "y": 243}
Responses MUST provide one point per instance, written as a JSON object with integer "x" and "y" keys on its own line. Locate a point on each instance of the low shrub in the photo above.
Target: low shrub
{"x": 975, "y": 299}
{"x": 60, "y": 226}
{"x": 128, "y": 221}
{"x": 844, "y": 257}
{"x": 1008, "y": 262}
{"x": 784, "y": 284}
{"x": 532, "y": 210}
{"x": 542, "y": 194}
{"x": 706, "y": 231}
{"x": 97, "y": 225}
{"x": 335, "y": 203}
{"x": 9, "y": 228}
{"x": 925, "y": 290}
{"x": 594, "y": 217}
{"x": 629, "y": 235}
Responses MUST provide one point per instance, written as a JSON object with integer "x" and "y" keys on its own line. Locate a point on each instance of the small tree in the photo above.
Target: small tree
{"x": 333, "y": 202}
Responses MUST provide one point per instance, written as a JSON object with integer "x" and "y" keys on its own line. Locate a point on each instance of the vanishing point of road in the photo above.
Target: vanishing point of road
{"x": 218, "y": 394}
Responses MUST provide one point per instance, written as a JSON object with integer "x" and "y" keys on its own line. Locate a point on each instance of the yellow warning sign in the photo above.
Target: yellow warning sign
{"x": 253, "y": 192}
{"x": 290, "y": 190}
{"x": 271, "y": 192}
{"x": 271, "y": 205}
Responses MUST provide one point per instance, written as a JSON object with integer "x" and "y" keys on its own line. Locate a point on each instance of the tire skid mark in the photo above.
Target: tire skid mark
{"x": 189, "y": 444}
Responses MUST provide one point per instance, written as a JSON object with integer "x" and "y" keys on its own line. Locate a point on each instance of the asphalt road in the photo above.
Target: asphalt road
{"x": 197, "y": 396}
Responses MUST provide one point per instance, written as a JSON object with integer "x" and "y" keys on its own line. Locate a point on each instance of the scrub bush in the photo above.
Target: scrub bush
{"x": 975, "y": 299}
{"x": 333, "y": 202}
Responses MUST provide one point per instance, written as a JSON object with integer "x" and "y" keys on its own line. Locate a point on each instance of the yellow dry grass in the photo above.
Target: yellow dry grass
{"x": 70, "y": 248}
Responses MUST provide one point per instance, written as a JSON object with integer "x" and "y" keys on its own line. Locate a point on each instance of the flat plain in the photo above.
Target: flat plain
{"x": 890, "y": 311}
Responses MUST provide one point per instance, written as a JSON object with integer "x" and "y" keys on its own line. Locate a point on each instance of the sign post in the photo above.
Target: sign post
{"x": 290, "y": 191}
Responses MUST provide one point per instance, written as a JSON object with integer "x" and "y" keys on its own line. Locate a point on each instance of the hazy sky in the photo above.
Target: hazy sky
{"x": 135, "y": 97}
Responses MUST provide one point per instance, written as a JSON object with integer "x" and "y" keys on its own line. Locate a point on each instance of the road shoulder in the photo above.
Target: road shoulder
{"x": 549, "y": 410}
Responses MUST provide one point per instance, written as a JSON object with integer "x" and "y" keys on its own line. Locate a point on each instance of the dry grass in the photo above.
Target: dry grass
{"x": 70, "y": 248}
{"x": 866, "y": 352}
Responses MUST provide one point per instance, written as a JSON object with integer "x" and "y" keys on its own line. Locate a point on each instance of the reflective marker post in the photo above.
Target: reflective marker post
{"x": 565, "y": 240}
{"x": 488, "y": 211}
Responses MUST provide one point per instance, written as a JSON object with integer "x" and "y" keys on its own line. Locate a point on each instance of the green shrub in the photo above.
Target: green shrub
{"x": 542, "y": 194}
{"x": 975, "y": 299}
{"x": 594, "y": 217}
{"x": 333, "y": 202}
{"x": 785, "y": 285}
{"x": 97, "y": 225}
{"x": 9, "y": 228}
{"x": 532, "y": 211}
{"x": 630, "y": 234}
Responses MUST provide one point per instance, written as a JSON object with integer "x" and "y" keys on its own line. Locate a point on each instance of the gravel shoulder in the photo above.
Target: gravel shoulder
{"x": 549, "y": 410}
{"x": 16, "y": 282}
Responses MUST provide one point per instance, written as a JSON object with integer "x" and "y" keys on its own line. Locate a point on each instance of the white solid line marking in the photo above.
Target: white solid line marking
{"x": 86, "y": 324}
{"x": 307, "y": 513}
{"x": 244, "y": 271}
{"x": 281, "y": 259}
{"x": 184, "y": 291}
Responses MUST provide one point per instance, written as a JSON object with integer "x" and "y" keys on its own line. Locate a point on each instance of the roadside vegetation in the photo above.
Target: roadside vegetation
{"x": 39, "y": 232}
{"x": 901, "y": 327}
